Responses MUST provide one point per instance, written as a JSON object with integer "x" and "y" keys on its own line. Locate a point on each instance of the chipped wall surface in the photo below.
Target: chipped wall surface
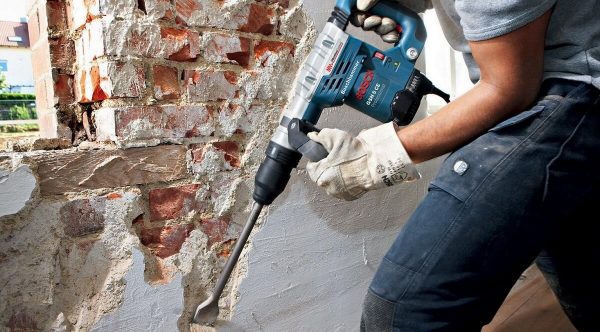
{"x": 162, "y": 110}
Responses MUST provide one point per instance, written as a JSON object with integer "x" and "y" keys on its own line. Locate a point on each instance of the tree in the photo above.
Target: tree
{"x": 3, "y": 84}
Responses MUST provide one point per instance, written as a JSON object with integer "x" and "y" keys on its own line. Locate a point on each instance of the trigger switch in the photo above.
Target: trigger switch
{"x": 379, "y": 55}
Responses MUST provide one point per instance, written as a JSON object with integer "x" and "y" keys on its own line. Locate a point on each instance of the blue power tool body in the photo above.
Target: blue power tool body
{"x": 341, "y": 69}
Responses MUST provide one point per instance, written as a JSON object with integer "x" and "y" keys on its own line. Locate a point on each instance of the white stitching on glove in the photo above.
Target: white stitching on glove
{"x": 372, "y": 160}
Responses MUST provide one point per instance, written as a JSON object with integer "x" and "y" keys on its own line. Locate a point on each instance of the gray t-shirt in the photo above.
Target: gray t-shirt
{"x": 572, "y": 40}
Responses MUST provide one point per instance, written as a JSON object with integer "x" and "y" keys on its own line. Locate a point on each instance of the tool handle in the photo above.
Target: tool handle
{"x": 299, "y": 140}
{"x": 413, "y": 35}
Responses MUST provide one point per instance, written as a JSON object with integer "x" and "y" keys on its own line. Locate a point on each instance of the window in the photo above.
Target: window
{"x": 3, "y": 66}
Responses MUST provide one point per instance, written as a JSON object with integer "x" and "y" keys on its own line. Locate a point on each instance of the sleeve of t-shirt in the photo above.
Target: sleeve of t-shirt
{"x": 418, "y": 6}
{"x": 485, "y": 19}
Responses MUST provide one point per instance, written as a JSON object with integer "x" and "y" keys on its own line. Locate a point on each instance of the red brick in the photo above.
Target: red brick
{"x": 166, "y": 83}
{"x": 109, "y": 80}
{"x": 63, "y": 89}
{"x": 234, "y": 119}
{"x": 188, "y": 39}
{"x": 34, "y": 26}
{"x": 139, "y": 220}
{"x": 264, "y": 48}
{"x": 189, "y": 121}
{"x": 184, "y": 10}
{"x": 83, "y": 217}
{"x": 48, "y": 122}
{"x": 215, "y": 229}
{"x": 197, "y": 151}
{"x": 229, "y": 49}
{"x": 43, "y": 93}
{"x": 173, "y": 202}
{"x": 211, "y": 85}
{"x": 90, "y": 44}
{"x": 163, "y": 122}
{"x": 231, "y": 151}
{"x": 112, "y": 196}
{"x": 165, "y": 241}
{"x": 62, "y": 53}
{"x": 57, "y": 15}
{"x": 127, "y": 79}
{"x": 40, "y": 59}
{"x": 126, "y": 119}
{"x": 260, "y": 20}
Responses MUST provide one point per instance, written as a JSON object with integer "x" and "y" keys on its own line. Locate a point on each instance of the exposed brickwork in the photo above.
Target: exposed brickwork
{"x": 63, "y": 87}
{"x": 228, "y": 49}
{"x": 260, "y": 20}
{"x": 171, "y": 203}
{"x": 210, "y": 85}
{"x": 165, "y": 241}
{"x": 166, "y": 82}
{"x": 161, "y": 111}
{"x": 109, "y": 80}
{"x": 265, "y": 48}
{"x": 83, "y": 217}
{"x": 187, "y": 41}
{"x": 215, "y": 229}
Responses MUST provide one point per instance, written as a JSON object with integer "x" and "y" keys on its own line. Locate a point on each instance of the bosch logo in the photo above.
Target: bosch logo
{"x": 364, "y": 85}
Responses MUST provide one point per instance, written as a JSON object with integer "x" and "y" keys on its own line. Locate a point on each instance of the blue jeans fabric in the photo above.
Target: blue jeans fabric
{"x": 528, "y": 188}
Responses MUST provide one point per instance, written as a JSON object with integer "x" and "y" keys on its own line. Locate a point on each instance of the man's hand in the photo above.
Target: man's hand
{"x": 372, "y": 160}
{"x": 383, "y": 26}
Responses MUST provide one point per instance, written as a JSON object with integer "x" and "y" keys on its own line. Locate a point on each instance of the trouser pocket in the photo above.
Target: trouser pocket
{"x": 464, "y": 170}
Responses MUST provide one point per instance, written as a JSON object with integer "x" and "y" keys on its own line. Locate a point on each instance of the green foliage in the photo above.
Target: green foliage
{"x": 17, "y": 96}
{"x": 18, "y": 113}
{"x": 19, "y": 128}
{"x": 3, "y": 84}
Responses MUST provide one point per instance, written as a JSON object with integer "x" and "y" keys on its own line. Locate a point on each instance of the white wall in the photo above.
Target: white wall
{"x": 445, "y": 67}
{"x": 20, "y": 71}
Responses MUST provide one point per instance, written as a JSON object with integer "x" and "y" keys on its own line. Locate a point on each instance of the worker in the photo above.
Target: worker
{"x": 521, "y": 182}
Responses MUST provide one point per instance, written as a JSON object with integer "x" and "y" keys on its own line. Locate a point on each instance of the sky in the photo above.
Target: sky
{"x": 12, "y": 10}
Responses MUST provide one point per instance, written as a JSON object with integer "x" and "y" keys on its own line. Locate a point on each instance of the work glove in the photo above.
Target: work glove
{"x": 384, "y": 26}
{"x": 374, "y": 159}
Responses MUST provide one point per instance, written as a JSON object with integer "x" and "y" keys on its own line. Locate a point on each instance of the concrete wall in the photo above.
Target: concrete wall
{"x": 163, "y": 110}
{"x": 19, "y": 71}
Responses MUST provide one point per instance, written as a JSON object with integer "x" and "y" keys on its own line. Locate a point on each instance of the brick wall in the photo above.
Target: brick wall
{"x": 160, "y": 111}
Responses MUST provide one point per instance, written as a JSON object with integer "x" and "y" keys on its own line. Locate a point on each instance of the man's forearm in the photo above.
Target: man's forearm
{"x": 460, "y": 121}
{"x": 511, "y": 73}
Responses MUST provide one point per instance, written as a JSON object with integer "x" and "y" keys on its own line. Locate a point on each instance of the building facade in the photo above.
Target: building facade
{"x": 15, "y": 57}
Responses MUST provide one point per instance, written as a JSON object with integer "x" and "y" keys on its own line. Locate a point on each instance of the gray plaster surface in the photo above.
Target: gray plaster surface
{"x": 145, "y": 307}
{"x": 15, "y": 189}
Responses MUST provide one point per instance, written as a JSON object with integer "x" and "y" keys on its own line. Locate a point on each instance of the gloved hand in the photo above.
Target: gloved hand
{"x": 384, "y": 26}
{"x": 372, "y": 160}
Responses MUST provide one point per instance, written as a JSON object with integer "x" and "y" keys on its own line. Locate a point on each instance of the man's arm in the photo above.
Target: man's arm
{"x": 511, "y": 73}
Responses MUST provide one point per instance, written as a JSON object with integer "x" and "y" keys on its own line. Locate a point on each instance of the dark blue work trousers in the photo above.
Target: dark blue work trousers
{"x": 527, "y": 190}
